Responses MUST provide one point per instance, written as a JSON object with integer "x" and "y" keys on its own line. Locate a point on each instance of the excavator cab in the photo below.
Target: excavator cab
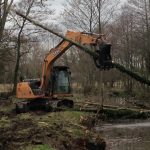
{"x": 61, "y": 80}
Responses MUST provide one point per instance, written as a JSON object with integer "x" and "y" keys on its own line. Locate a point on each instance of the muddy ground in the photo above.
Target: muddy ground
{"x": 60, "y": 130}
{"x": 41, "y": 130}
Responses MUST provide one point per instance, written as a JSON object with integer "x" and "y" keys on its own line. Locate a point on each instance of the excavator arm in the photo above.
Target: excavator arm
{"x": 49, "y": 60}
{"x": 102, "y": 59}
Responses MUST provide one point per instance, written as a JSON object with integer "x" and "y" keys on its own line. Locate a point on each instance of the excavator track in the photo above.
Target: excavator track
{"x": 43, "y": 104}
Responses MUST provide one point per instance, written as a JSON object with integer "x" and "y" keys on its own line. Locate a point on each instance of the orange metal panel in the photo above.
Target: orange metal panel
{"x": 24, "y": 91}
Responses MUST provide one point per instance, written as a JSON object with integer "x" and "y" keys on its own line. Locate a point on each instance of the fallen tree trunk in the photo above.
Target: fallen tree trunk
{"x": 132, "y": 74}
{"x": 117, "y": 113}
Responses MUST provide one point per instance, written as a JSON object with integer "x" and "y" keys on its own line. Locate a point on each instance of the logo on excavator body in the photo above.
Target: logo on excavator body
{"x": 56, "y": 52}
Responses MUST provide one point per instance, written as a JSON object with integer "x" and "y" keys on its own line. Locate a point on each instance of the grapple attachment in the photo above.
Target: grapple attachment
{"x": 103, "y": 59}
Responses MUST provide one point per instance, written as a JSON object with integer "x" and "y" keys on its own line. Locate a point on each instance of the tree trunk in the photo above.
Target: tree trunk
{"x": 16, "y": 68}
{"x": 18, "y": 49}
{"x": 4, "y": 10}
{"x": 18, "y": 58}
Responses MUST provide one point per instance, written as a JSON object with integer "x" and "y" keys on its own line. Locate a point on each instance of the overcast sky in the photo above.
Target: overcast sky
{"x": 57, "y": 4}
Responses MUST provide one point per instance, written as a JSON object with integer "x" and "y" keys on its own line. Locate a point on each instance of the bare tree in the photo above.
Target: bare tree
{"x": 85, "y": 15}
{"x": 88, "y": 16}
{"x": 141, "y": 10}
{"x": 29, "y": 7}
{"x": 19, "y": 46}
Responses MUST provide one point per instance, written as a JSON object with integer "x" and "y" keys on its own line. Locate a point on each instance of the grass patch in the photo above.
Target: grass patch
{"x": 63, "y": 116}
{"x": 76, "y": 132}
{"x": 5, "y": 87}
{"x": 125, "y": 114}
{"x": 5, "y": 122}
{"x": 39, "y": 147}
{"x": 24, "y": 116}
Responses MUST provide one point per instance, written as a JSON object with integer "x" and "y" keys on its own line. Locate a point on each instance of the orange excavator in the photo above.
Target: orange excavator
{"x": 54, "y": 87}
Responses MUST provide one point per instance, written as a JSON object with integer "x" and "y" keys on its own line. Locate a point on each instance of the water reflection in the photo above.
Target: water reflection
{"x": 134, "y": 136}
